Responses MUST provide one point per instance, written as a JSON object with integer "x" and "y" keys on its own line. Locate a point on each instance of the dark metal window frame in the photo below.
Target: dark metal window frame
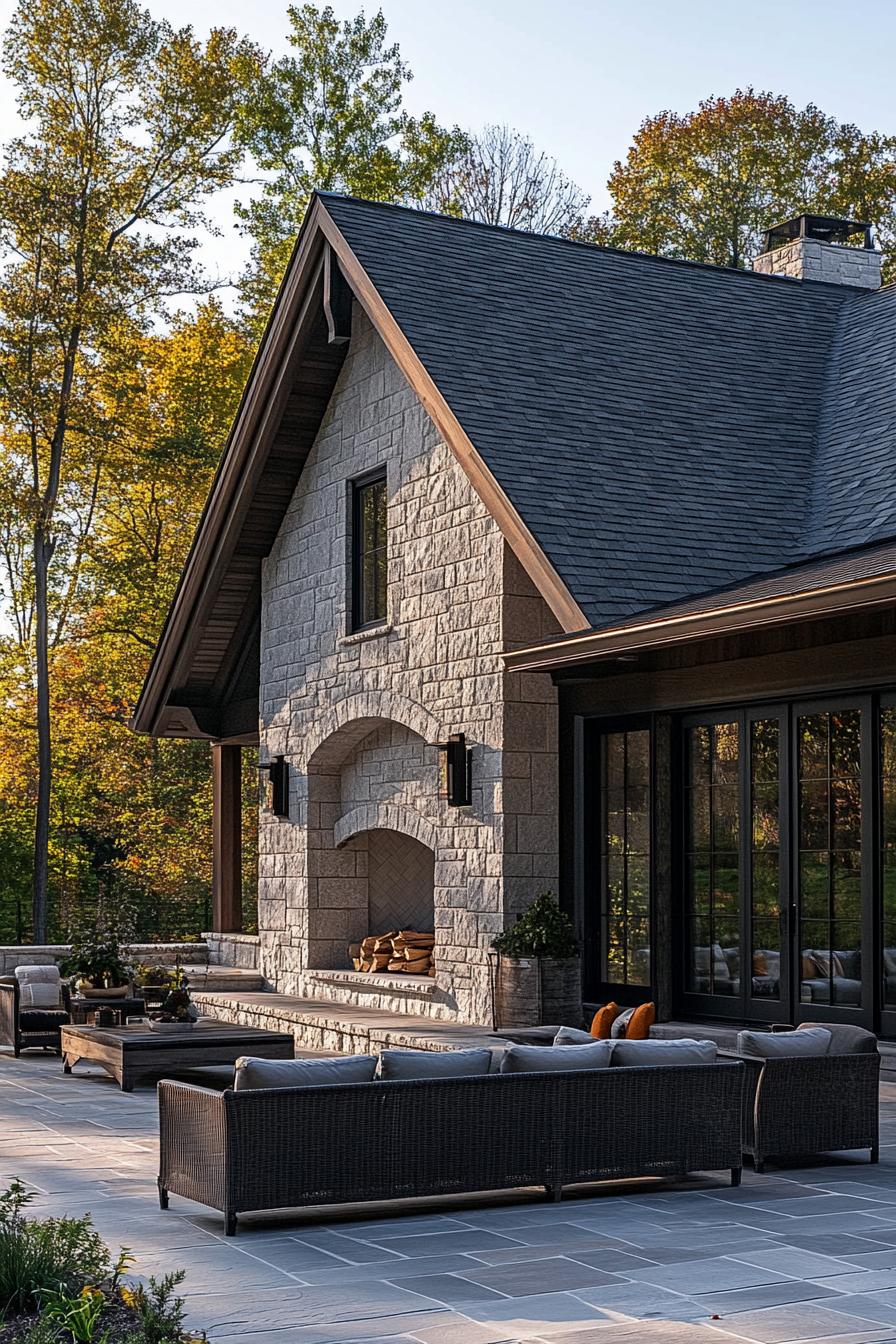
{"x": 358, "y": 553}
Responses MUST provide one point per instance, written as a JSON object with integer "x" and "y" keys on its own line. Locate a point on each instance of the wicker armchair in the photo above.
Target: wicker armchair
{"x": 27, "y": 1028}
{"x": 794, "y": 1107}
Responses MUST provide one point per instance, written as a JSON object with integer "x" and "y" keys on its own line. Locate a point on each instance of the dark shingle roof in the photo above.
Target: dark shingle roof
{"x": 663, "y": 429}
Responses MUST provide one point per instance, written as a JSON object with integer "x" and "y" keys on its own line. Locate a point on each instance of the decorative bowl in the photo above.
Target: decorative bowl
{"x": 118, "y": 992}
{"x": 170, "y": 1028}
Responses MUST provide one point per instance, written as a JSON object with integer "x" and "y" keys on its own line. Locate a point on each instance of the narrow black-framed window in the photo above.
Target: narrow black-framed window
{"x": 625, "y": 857}
{"x": 369, "y": 551}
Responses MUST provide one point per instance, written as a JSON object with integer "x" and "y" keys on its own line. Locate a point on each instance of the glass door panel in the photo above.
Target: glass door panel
{"x": 829, "y": 876}
{"x": 769, "y": 982}
{"x": 712, "y": 879}
{"x": 888, "y": 859}
{"x": 625, "y": 857}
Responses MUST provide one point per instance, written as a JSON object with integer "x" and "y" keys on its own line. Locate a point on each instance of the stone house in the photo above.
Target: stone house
{"x": 621, "y": 530}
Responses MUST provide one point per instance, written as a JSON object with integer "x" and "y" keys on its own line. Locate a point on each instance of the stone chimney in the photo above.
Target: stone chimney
{"x": 815, "y": 247}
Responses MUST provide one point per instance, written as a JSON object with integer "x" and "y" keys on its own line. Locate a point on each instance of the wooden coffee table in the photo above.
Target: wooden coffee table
{"x": 131, "y": 1053}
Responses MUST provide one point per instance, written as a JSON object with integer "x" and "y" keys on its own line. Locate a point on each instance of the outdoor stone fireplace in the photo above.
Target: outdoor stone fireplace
{"x": 369, "y": 844}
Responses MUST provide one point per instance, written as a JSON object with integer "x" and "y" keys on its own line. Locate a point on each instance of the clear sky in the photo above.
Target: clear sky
{"x": 579, "y": 75}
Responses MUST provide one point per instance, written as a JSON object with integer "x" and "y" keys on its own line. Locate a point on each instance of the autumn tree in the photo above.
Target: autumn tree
{"x": 705, "y": 185}
{"x": 127, "y": 125}
{"x": 329, "y": 116}
{"x": 501, "y": 178}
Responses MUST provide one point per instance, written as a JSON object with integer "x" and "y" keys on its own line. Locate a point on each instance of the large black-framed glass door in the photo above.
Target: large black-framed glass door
{"x": 832, "y": 891}
{"x": 777, "y": 898}
{"x": 731, "y": 933}
{"x": 618, "y": 926}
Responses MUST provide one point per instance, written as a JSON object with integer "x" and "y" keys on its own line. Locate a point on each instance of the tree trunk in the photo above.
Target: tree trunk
{"x": 42, "y": 552}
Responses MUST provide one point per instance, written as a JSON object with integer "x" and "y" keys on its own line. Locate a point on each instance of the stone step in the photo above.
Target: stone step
{"x": 352, "y": 1029}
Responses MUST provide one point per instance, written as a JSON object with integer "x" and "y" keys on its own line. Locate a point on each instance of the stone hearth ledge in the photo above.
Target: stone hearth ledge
{"x": 350, "y": 1029}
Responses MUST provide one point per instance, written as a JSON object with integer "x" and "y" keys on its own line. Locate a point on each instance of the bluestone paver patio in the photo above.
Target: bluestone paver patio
{"x": 799, "y": 1254}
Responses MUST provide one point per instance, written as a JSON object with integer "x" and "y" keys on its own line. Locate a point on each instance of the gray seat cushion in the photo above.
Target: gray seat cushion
{"x": 556, "y": 1058}
{"x": 42, "y": 1019}
{"x": 784, "y": 1044}
{"x": 261, "y": 1073}
{"x": 433, "y": 1063}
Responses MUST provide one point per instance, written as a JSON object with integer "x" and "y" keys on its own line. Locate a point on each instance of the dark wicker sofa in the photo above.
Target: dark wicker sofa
{"x": 283, "y": 1148}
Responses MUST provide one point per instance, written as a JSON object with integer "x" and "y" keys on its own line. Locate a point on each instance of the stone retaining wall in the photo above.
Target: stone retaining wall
{"x": 50, "y": 954}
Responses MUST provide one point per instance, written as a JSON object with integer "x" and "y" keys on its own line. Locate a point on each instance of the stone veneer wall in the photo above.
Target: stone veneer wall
{"x": 357, "y": 715}
{"x": 812, "y": 259}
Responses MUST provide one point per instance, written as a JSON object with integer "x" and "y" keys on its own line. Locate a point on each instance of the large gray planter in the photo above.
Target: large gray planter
{"x": 532, "y": 991}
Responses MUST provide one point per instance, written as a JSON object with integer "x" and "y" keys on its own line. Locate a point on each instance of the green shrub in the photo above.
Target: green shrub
{"x": 543, "y": 931}
{"x": 159, "y": 1309}
{"x": 53, "y": 1255}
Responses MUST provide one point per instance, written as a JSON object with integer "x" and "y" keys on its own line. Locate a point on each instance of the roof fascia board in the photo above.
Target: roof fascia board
{"x": 528, "y": 552}
{"x": 836, "y": 599}
{"x": 246, "y": 447}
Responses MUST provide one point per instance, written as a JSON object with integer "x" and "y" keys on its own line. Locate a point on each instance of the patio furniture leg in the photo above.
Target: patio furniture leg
{"x": 875, "y": 1153}
{"x": 735, "y": 1176}
{"x": 163, "y": 1197}
{"x": 230, "y": 1224}
{"x": 759, "y": 1167}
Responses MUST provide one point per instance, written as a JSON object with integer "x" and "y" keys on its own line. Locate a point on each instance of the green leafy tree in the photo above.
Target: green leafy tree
{"x": 330, "y": 117}
{"x": 706, "y": 184}
{"x": 127, "y": 132}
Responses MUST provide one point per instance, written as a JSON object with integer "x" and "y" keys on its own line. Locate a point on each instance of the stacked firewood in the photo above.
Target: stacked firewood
{"x": 404, "y": 950}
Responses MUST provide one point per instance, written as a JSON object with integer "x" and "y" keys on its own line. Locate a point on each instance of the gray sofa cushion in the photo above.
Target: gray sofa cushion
{"x": 556, "y": 1058}
{"x": 573, "y": 1036}
{"x": 784, "y": 1044}
{"x": 433, "y": 1063}
{"x": 846, "y": 1039}
{"x": 684, "y": 1051}
{"x": 255, "y": 1073}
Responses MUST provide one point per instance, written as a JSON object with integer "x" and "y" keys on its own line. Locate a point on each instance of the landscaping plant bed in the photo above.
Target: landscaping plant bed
{"x": 59, "y": 1284}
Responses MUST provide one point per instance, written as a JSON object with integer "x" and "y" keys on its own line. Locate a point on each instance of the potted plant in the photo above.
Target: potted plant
{"x": 177, "y": 1011}
{"x": 96, "y": 965}
{"x": 539, "y": 975}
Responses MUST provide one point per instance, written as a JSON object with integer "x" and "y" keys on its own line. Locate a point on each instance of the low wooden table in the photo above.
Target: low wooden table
{"x": 131, "y": 1053}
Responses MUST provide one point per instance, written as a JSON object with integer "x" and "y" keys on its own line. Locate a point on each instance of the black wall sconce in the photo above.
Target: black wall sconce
{"x": 456, "y": 771}
{"x": 277, "y": 788}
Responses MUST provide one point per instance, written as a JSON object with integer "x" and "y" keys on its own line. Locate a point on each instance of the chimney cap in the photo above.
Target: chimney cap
{"x": 823, "y": 228}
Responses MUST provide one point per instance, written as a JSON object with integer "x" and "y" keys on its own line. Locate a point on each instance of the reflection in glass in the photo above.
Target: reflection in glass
{"x": 888, "y": 856}
{"x": 830, "y": 857}
{"x": 765, "y": 859}
{"x": 625, "y": 857}
{"x": 712, "y": 871}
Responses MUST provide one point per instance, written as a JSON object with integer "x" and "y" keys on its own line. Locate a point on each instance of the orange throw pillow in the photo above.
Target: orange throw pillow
{"x": 640, "y": 1022}
{"x": 603, "y": 1020}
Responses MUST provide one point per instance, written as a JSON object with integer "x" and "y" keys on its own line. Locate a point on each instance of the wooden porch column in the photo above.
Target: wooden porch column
{"x": 227, "y": 846}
